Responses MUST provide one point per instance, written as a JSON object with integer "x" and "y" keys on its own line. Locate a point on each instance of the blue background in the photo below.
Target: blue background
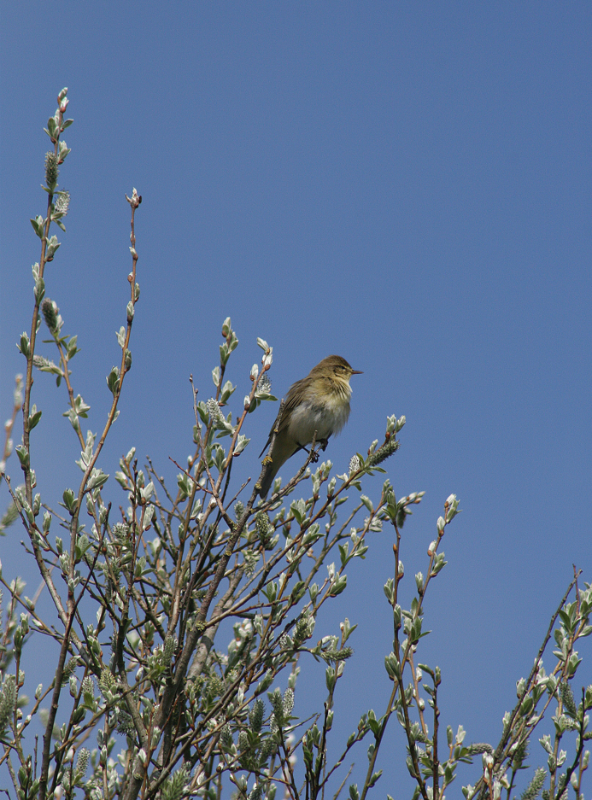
{"x": 407, "y": 185}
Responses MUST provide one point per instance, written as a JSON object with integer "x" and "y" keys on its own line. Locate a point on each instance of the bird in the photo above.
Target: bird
{"x": 317, "y": 404}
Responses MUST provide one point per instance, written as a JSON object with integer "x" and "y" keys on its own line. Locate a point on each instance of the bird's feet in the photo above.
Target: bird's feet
{"x": 314, "y": 454}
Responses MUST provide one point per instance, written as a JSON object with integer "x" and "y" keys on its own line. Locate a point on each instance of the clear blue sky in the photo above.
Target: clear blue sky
{"x": 407, "y": 185}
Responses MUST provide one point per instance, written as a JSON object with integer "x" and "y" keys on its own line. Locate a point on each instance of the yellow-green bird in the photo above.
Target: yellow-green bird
{"x": 318, "y": 403}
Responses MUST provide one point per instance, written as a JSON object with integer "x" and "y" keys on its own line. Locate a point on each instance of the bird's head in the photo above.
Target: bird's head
{"x": 335, "y": 367}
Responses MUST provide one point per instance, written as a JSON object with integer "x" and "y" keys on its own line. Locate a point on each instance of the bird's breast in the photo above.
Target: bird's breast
{"x": 326, "y": 418}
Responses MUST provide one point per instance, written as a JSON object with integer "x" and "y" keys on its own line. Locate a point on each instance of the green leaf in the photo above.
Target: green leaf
{"x": 69, "y": 500}
{"x": 23, "y": 456}
{"x": 367, "y": 502}
{"x": 113, "y": 380}
{"x": 39, "y": 290}
{"x": 297, "y": 592}
{"x": 38, "y": 224}
{"x": 24, "y": 345}
{"x": 97, "y": 479}
{"x": 338, "y": 586}
{"x": 34, "y": 417}
{"x": 374, "y": 778}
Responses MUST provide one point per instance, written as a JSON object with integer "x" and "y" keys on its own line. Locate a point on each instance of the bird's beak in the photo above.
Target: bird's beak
{"x": 357, "y": 372}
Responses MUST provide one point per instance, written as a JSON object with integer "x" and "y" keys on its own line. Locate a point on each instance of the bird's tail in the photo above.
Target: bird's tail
{"x": 268, "y": 477}
{"x": 283, "y": 448}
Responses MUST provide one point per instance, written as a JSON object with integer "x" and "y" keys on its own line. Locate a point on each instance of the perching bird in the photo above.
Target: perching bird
{"x": 319, "y": 402}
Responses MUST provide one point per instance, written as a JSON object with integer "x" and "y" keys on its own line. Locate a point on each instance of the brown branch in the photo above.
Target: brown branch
{"x": 9, "y": 425}
{"x": 499, "y": 755}
{"x": 134, "y": 202}
{"x": 62, "y": 104}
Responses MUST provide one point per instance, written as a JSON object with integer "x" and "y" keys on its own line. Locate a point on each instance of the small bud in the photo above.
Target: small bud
{"x": 264, "y": 387}
{"x": 24, "y": 344}
{"x": 354, "y": 464}
{"x": 419, "y": 582}
{"x": 380, "y": 455}
{"x": 62, "y": 204}
{"x": 51, "y": 170}
{"x": 135, "y": 199}
{"x": 50, "y": 313}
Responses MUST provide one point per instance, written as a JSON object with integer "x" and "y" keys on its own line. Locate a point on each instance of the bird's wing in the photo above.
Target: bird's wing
{"x": 266, "y": 444}
{"x": 289, "y": 405}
